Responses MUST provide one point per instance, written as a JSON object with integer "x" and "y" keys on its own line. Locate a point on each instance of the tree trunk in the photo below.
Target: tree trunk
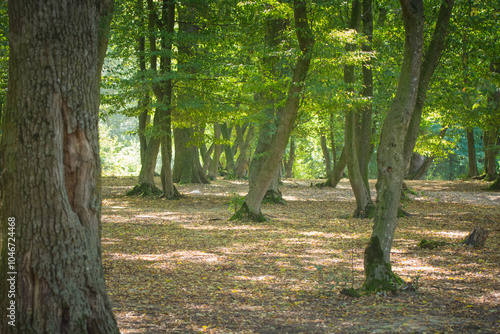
{"x": 337, "y": 173}
{"x": 165, "y": 95}
{"x": 422, "y": 169}
{"x": 243, "y": 144}
{"x": 326, "y": 155}
{"x": 51, "y": 200}
{"x": 391, "y": 165}
{"x": 228, "y": 151}
{"x": 366, "y": 128}
{"x": 490, "y": 139}
{"x": 291, "y": 159}
{"x": 146, "y": 184}
{"x": 471, "y": 151}
{"x": 353, "y": 143}
{"x": 214, "y": 165}
{"x": 266, "y": 171}
{"x": 187, "y": 167}
{"x": 429, "y": 64}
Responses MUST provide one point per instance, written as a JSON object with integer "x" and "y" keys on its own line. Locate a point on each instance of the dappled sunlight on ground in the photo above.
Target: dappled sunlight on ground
{"x": 181, "y": 267}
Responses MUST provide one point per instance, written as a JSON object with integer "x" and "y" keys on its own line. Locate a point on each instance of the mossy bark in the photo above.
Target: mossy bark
{"x": 378, "y": 271}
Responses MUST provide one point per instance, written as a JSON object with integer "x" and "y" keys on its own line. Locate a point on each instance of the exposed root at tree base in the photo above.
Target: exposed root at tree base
{"x": 144, "y": 189}
{"x": 245, "y": 214}
{"x": 273, "y": 197}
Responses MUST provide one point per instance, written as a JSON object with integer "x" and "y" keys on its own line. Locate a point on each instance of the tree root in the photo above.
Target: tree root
{"x": 244, "y": 214}
{"x": 144, "y": 189}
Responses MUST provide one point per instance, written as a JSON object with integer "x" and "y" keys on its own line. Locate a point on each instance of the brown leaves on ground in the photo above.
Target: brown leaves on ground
{"x": 181, "y": 267}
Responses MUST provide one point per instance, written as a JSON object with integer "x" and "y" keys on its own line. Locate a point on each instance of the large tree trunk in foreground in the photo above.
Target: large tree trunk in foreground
{"x": 391, "y": 165}
{"x": 50, "y": 184}
{"x": 251, "y": 208}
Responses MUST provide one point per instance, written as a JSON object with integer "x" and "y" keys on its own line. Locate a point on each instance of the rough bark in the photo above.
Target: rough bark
{"x": 471, "y": 151}
{"x": 51, "y": 178}
{"x": 390, "y": 162}
{"x": 266, "y": 171}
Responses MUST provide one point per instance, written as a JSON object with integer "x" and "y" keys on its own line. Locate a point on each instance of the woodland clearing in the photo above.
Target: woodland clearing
{"x": 182, "y": 267}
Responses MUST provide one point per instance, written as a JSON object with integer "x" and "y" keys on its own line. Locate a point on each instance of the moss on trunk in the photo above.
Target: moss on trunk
{"x": 378, "y": 272}
{"x": 244, "y": 213}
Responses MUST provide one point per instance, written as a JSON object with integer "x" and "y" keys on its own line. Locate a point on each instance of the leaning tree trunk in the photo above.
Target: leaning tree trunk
{"x": 430, "y": 62}
{"x": 337, "y": 173}
{"x": 391, "y": 165}
{"x": 265, "y": 172}
{"x": 51, "y": 200}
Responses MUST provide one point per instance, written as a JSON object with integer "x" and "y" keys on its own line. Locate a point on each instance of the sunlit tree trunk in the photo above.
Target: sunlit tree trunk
{"x": 390, "y": 162}
{"x": 265, "y": 172}
{"x": 243, "y": 145}
{"x": 50, "y": 184}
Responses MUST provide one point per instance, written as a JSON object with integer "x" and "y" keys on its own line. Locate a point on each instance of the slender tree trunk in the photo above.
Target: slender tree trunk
{"x": 290, "y": 160}
{"x": 337, "y": 173}
{"x": 243, "y": 144}
{"x": 353, "y": 143}
{"x": 429, "y": 64}
{"x": 146, "y": 184}
{"x": 228, "y": 151}
{"x": 266, "y": 171}
{"x": 50, "y": 184}
{"x": 366, "y": 127}
{"x": 326, "y": 155}
{"x": 165, "y": 94}
{"x": 214, "y": 165}
{"x": 471, "y": 151}
{"x": 391, "y": 165}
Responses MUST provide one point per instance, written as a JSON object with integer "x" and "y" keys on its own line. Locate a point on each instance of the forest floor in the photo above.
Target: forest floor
{"x": 182, "y": 267}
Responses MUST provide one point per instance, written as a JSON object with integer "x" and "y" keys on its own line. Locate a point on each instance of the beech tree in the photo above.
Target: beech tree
{"x": 50, "y": 180}
{"x": 390, "y": 162}
{"x": 267, "y": 168}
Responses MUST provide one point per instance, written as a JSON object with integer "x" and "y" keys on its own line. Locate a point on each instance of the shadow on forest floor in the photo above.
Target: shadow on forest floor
{"x": 181, "y": 267}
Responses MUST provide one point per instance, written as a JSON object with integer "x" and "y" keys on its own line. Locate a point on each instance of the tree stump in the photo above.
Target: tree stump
{"x": 477, "y": 238}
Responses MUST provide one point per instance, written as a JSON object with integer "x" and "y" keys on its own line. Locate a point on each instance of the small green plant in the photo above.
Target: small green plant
{"x": 236, "y": 202}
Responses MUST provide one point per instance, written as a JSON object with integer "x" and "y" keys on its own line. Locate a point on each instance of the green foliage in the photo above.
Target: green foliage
{"x": 119, "y": 157}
